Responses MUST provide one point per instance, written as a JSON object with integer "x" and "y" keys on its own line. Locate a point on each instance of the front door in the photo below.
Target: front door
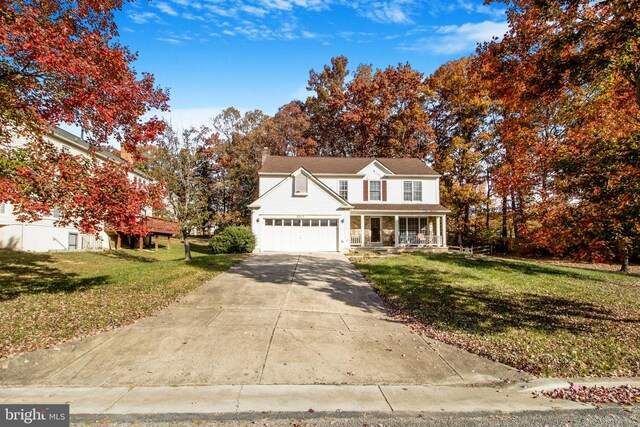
{"x": 375, "y": 230}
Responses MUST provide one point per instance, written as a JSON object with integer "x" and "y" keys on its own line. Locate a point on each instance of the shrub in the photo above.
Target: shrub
{"x": 233, "y": 240}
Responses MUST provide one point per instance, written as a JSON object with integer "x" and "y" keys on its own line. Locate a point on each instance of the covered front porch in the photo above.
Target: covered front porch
{"x": 400, "y": 231}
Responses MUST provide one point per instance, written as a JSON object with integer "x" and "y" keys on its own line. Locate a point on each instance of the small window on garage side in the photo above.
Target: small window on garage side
{"x": 324, "y": 222}
{"x": 277, "y": 221}
{"x": 315, "y": 223}
{"x": 300, "y": 185}
{"x": 295, "y": 223}
{"x": 287, "y": 223}
{"x": 305, "y": 222}
{"x": 333, "y": 223}
{"x": 268, "y": 222}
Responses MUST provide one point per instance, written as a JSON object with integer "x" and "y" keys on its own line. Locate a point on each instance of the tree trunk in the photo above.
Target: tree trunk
{"x": 187, "y": 247}
{"x": 625, "y": 264}
{"x": 504, "y": 217}
{"x": 514, "y": 210}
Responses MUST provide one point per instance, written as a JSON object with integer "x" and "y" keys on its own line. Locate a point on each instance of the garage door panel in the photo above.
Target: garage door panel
{"x": 313, "y": 235}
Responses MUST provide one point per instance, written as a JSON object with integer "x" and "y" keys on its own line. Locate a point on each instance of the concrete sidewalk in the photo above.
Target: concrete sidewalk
{"x": 288, "y": 398}
{"x": 273, "y": 319}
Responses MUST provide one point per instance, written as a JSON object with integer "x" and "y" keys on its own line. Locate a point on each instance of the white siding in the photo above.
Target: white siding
{"x": 317, "y": 203}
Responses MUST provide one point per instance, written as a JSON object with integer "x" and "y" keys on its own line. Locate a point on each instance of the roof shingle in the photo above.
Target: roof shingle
{"x": 345, "y": 165}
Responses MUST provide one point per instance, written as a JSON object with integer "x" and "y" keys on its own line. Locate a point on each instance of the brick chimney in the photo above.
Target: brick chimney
{"x": 125, "y": 155}
{"x": 265, "y": 153}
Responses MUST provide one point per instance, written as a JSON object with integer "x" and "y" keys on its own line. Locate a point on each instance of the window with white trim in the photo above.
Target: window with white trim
{"x": 2, "y": 208}
{"x": 375, "y": 190}
{"x": 343, "y": 189}
{"x": 412, "y": 191}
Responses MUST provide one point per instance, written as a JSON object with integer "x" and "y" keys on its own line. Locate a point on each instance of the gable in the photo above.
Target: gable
{"x": 287, "y": 197}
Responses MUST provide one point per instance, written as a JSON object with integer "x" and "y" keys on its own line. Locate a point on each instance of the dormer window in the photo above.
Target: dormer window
{"x": 300, "y": 185}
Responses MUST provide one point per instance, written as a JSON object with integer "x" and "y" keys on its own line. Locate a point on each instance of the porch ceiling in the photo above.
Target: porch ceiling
{"x": 389, "y": 209}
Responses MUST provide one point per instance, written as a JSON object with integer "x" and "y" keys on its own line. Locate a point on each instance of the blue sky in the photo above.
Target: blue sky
{"x": 257, "y": 54}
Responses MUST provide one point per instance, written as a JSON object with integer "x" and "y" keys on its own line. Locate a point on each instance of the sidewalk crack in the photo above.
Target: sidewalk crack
{"x": 275, "y": 326}
{"x": 443, "y": 359}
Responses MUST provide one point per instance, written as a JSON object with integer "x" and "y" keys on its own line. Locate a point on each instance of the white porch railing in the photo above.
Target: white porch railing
{"x": 413, "y": 239}
{"x": 356, "y": 239}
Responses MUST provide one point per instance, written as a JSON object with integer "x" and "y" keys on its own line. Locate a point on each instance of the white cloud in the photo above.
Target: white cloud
{"x": 252, "y": 10}
{"x": 183, "y": 118}
{"x": 169, "y": 40}
{"x": 143, "y": 17}
{"x": 393, "y": 12}
{"x": 454, "y": 39}
{"x": 166, "y": 8}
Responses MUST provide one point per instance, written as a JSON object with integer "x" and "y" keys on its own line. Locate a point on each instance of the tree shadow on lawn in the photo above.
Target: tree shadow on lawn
{"x": 127, "y": 255}
{"x": 513, "y": 266}
{"x": 28, "y": 273}
{"x": 438, "y": 299}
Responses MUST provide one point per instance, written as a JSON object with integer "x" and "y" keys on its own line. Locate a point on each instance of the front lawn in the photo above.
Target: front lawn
{"x": 46, "y": 299}
{"x": 545, "y": 319}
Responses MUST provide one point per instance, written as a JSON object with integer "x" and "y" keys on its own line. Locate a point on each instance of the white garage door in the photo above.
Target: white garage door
{"x": 300, "y": 235}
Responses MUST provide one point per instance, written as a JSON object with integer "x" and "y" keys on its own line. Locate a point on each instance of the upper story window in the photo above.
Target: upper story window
{"x": 375, "y": 190}
{"x": 343, "y": 189}
{"x": 55, "y": 213}
{"x": 2, "y": 208}
{"x": 412, "y": 191}
{"x": 300, "y": 185}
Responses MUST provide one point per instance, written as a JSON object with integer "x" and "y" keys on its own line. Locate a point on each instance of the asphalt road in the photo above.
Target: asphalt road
{"x": 609, "y": 417}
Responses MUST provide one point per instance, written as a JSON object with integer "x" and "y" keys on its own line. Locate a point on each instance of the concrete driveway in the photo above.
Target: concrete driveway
{"x": 273, "y": 319}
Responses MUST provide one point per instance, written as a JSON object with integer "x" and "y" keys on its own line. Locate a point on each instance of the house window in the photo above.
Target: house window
{"x": 412, "y": 191}
{"x": 2, "y": 208}
{"x": 56, "y": 213}
{"x": 375, "y": 192}
{"x": 300, "y": 183}
{"x": 343, "y": 189}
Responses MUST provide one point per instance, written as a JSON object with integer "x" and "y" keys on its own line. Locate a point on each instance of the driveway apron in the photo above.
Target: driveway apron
{"x": 273, "y": 319}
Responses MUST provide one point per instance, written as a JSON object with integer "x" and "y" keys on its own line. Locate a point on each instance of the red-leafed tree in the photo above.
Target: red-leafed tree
{"x": 567, "y": 74}
{"x": 59, "y": 63}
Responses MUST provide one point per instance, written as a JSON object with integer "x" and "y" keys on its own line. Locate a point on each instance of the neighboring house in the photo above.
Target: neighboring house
{"x": 334, "y": 203}
{"x": 44, "y": 235}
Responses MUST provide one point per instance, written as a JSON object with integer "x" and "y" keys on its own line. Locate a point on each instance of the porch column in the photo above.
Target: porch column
{"x": 396, "y": 231}
{"x": 362, "y": 230}
{"x": 438, "y": 231}
{"x": 444, "y": 231}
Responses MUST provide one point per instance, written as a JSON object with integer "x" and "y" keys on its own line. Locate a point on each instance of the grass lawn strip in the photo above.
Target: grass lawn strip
{"x": 545, "y": 319}
{"x": 50, "y": 298}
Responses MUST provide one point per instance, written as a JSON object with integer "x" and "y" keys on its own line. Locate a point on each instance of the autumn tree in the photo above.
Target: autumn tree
{"x": 369, "y": 113}
{"x": 583, "y": 57}
{"x": 326, "y": 107}
{"x": 107, "y": 195}
{"x": 60, "y": 63}
{"x": 459, "y": 110}
{"x": 235, "y": 153}
{"x": 287, "y": 133}
{"x": 176, "y": 162}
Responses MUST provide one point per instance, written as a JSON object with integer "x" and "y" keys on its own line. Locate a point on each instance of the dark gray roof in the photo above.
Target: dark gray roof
{"x": 345, "y": 165}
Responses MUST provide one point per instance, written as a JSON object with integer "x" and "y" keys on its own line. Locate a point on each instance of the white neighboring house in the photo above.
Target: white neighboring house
{"x": 315, "y": 204}
{"x": 44, "y": 235}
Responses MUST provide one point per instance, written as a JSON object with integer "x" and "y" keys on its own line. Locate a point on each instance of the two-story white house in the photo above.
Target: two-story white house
{"x": 45, "y": 235}
{"x": 335, "y": 203}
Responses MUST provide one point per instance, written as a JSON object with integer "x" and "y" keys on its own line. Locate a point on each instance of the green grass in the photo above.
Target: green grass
{"x": 548, "y": 320}
{"x": 47, "y": 299}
